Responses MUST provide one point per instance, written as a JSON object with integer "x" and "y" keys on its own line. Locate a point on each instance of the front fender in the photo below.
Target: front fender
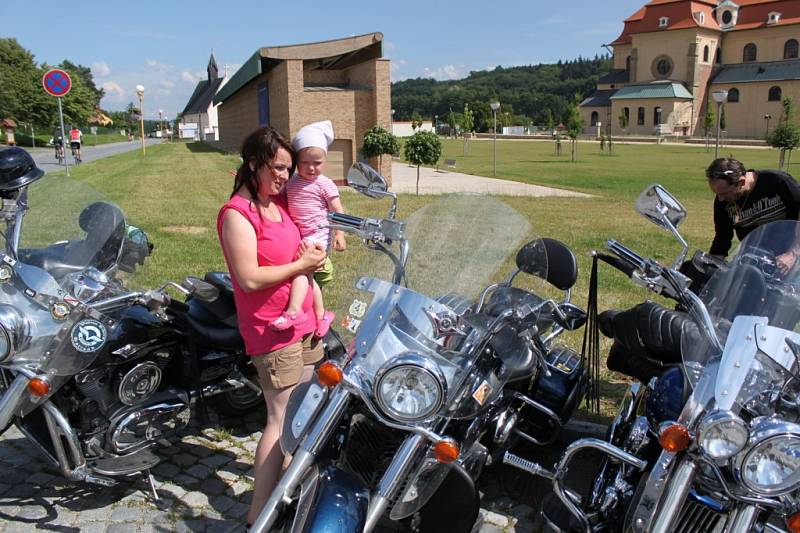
{"x": 331, "y": 501}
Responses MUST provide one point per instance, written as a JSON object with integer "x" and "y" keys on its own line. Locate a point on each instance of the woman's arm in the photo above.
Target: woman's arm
{"x": 239, "y": 245}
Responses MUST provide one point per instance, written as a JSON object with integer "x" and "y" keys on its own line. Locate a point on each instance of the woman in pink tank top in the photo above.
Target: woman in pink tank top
{"x": 263, "y": 250}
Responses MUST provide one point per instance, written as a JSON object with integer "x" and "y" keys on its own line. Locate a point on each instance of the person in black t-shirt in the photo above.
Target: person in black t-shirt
{"x": 746, "y": 199}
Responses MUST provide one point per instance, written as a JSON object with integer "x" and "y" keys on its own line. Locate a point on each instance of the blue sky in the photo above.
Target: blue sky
{"x": 165, "y": 45}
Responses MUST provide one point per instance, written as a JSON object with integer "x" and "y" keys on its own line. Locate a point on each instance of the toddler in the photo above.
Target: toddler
{"x": 311, "y": 195}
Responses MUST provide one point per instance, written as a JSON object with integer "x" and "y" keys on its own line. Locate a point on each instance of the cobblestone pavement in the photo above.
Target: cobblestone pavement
{"x": 204, "y": 484}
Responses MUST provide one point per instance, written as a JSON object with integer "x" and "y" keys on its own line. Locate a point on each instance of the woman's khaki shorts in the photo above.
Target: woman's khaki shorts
{"x": 284, "y": 367}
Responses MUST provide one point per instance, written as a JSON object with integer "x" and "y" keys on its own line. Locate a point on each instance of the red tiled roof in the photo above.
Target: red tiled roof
{"x": 752, "y": 14}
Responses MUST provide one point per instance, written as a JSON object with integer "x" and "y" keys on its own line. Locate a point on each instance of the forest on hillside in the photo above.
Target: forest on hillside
{"x": 539, "y": 94}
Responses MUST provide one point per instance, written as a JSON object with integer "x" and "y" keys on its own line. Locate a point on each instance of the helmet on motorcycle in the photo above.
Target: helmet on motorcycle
{"x": 17, "y": 169}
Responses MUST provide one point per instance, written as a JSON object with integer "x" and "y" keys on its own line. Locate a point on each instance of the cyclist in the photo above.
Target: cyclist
{"x": 58, "y": 142}
{"x": 75, "y": 140}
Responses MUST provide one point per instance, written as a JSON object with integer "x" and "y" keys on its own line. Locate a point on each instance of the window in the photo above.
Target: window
{"x": 594, "y": 118}
{"x": 705, "y": 54}
{"x": 627, "y": 112}
{"x": 656, "y": 116}
{"x": 774, "y": 94}
{"x": 718, "y": 56}
{"x": 628, "y": 63}
{"x": 700, "y": 17}
{"x": 773, "y": 17}
{"x": 662, "y": 67}
{"x": 640, "y": 117}
{"x": 663, "y": 22}
{"x": 263, "y": 105}
{"x": 733, "y": 95}
{"x": 750, "y": 53}
{"x": 727, "y": 17}
{"x": 790, "y": 49}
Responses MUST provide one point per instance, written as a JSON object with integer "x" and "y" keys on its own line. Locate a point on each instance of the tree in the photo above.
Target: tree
{"x": 416, "y": 121}
{"x": 786, "y": 135}
{"x": 623, "y": 120}
{"x": 423, "y": 148}
{"x": 467, "y": 125}
{"x": 452, "y": 121}
{"x": 548, "y": 120}
{"x": 722, "y": 123}
{"x": 378, "y": 141}
{"x": 574, "y": 125}
{"x": 709, "y": 119}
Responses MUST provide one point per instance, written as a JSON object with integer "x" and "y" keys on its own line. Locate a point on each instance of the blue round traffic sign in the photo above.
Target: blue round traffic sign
{"x": 56, "y": 82}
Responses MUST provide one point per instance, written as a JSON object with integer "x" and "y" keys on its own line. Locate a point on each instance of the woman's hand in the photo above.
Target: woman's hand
{"x": 312, "y": 257}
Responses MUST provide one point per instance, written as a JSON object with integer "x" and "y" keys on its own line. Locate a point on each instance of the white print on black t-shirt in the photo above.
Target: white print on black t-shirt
{"x": 763, "y": 211}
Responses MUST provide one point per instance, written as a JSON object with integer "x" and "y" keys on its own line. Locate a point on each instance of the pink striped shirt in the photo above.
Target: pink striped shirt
{"x": 308, "y": 206}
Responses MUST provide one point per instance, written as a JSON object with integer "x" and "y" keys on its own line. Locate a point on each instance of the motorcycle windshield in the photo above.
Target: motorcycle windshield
{"x": 458, "y": 246}
{"x": 755, "y": 310}
{"x": 57, "y": 259}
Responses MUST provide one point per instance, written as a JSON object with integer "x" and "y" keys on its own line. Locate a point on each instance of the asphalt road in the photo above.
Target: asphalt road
{"x": 45, "y": 157}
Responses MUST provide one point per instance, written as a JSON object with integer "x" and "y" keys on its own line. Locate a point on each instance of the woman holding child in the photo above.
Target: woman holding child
{"x": 272, "y": 266}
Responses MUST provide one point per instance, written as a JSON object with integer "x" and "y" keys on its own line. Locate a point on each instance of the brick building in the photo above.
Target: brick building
{"x": 672, "y": 54}
{"x": 345, "y": 81}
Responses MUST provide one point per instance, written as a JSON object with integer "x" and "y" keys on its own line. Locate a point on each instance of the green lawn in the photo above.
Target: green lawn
{"x": 175, "y": 191}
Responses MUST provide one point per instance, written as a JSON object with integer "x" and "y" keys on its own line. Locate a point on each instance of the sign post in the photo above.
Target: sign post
{"x": 57, "y": 82}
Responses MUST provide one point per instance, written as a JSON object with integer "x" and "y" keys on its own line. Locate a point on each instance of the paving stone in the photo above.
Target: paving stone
{"x": 226, "y": 526}
{"x": 93, "y": 527}
{"x": 222, "y": 474}
{"x": 213, "y": 487}
{"x": 124, "y": 513}
{"x": 64, "y": 518}
{"x": 170, "y": 490}
{"x": 199, "y": 471}
{"x": 250, "y": 446}
{"x": 166, "y": 470}
{"x": 238, "y": 488}
{"x": 184, "y": 459}
{"x": 221, "y": 503}
{"x": 169, "y": 450}
{"x": 238, "y": 510}
{"x": 195, "y": 499}
{"x": 4, "y": 488}
{"x": 123, "y": 528}
{"x": 40, "y": 478}
{"x": 202, "y": 451}
{"x": 186, "y": 480}
{"x": 189, "y": 526}
{"x": 216, "y": 461}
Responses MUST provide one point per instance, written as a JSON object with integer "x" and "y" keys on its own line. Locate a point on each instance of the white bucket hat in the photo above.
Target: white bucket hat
{"x": 317, "y": 135}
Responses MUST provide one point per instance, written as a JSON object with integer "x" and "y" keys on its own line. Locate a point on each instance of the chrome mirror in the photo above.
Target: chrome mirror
{"x": 366, "y": 180}
{"x": 659, "y": 206}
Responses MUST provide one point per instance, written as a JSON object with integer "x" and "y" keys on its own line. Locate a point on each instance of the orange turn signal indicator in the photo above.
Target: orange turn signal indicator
{"x": 793, "y": 522}
{"x": 674, "y": 437}
{"x": 39, "y": 387}
{"x": 329, "y": 374}
{"x": 446, "y": 451}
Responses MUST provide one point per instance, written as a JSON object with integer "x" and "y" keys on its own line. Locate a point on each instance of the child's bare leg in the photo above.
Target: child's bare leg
{"x": 319, "y": 304}
{"x": 297, "y": 295}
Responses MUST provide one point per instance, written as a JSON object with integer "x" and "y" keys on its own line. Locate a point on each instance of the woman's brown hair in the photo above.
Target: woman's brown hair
{"x": 258, "y": 149}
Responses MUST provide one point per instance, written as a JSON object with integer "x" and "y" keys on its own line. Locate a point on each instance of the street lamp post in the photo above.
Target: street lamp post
{"x": 435, "y": 124}
{"x": 140, "y": 93}
{"x": 767, "y": 117}
{"x": 161, "y": 120}
{"x": 495, "y": 106}
{"x": 391, "y": 124}
{"x": 719, "y": 96}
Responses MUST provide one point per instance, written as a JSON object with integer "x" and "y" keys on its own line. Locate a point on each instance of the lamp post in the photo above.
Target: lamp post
{"x": 161, "y": 120}
{"x": 767, "y": 117}
{"x": 140, "y": 93}
{"x": 719, "y": 96}
{"x": 435, "y": 124}
{"x": 391, "y": 124}
{"x": 495, "y": 106}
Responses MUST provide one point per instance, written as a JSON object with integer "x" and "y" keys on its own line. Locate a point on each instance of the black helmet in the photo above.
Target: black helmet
{"x": 17, "y": 169}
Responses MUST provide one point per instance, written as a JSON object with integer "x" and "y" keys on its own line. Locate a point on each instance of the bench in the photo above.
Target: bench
{"x": 450, "y": 163}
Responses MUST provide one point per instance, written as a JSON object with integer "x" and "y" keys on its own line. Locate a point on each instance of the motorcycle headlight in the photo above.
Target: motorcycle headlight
{"x": 410, "y": 388}
{"x": 772, "y": 466}
{"x": 722, "y": 434}
{"x": 14, "y": 330}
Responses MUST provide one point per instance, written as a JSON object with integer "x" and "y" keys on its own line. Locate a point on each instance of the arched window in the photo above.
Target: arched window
{"x": 594, "y": 118}
{"x": 656, "y": 116}
{"x": 750, "y": 53}
{"x": 705, "y": 54}
{"x": 640, "y": 117}
{"x": 718, "y": 56}
{"x": 733, "y": 95}
{"x": 628, "y": 63}
{"x": 774, "y": 94}
{"x": 790, "y": 49}
{"x": 627, "y": 112}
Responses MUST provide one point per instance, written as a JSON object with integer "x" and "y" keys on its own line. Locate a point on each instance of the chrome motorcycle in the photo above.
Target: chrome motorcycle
{"x": 93, "y": 373}
{"x": 431, "y": 389}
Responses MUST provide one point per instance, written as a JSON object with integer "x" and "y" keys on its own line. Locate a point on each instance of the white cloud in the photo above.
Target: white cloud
{"x": 389, "y": 46}
{"x": 114, "y": 92}
{"x": 100, "y": 69}
{"x": 193, "y": 77}
{"x": 153, "y": 64}
{"x": 446, "y": 72}
{"x": 166, "y": 84}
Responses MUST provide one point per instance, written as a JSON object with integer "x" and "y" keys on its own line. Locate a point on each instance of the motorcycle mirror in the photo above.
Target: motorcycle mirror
{"x": 200, "y": 289}
{"x": 659, "y": 206}
{"x": 366, "y": 180}
{"x": 574, "y": 316}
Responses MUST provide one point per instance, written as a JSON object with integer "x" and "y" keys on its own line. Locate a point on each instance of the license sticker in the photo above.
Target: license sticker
{"x": 88, "y": 335}
{"x": 358, "y": 308}
{"x": 482, "y": 392}
{"x": 351, "y": 324}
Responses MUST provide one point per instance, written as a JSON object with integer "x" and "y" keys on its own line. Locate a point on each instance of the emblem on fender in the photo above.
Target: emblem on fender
{"x": 88, "y": 335}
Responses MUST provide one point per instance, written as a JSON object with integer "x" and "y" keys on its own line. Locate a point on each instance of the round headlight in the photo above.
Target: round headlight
{"x": 772, "y": 467}
{"x": 410, "y": 388}
{"x": 722, "y": 434}
{"x": 14, "y": 330}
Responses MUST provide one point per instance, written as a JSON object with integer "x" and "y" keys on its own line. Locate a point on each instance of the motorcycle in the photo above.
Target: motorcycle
{"x": 95, "y": 374}
{"x": 431, "y": 389}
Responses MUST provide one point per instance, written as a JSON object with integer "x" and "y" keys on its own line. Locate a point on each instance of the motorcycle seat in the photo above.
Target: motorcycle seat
{"x": 209, "y": 331}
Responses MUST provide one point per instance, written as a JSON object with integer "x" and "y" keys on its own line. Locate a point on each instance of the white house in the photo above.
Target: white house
{"x": 200, "y": 110}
